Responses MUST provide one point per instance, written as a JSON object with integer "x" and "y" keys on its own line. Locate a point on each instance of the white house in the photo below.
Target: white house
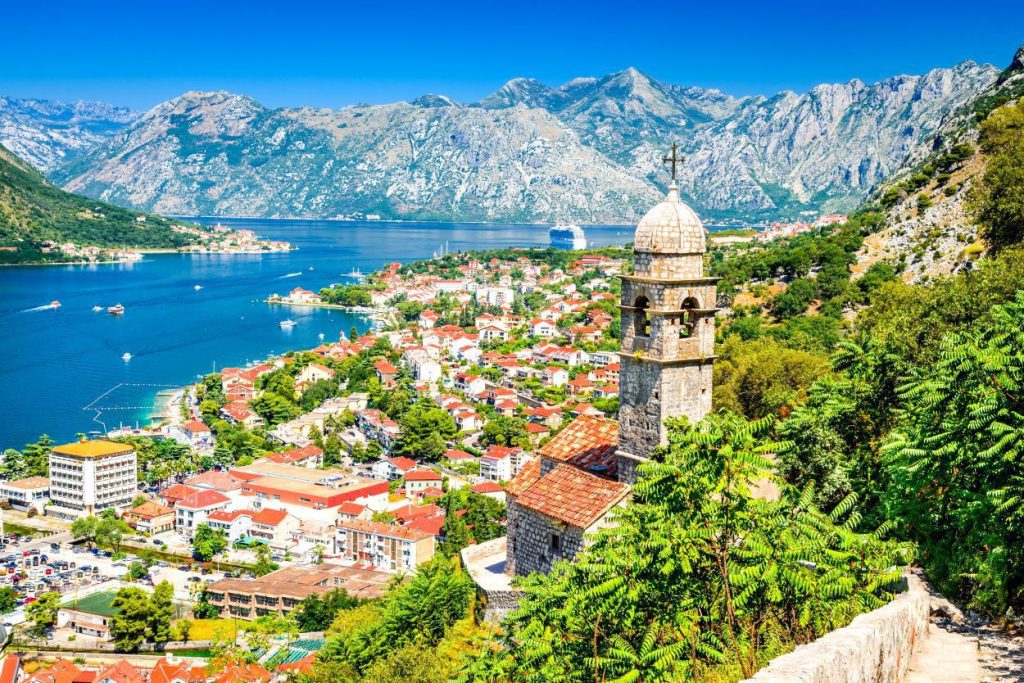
{"x": 393, "y": 468}
{"x": 234, "y": 524}
{"x": 543, "y": 328}
{"x": 190, "y": 512}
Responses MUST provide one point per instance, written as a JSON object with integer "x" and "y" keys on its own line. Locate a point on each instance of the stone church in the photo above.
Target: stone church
{"x": 667, "y": 351}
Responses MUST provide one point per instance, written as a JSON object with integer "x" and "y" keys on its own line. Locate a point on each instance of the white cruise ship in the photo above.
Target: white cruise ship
{"x": 567, "y": 237}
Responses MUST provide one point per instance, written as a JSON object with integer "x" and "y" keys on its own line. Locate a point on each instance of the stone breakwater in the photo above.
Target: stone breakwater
{"x": 876, "y": 646}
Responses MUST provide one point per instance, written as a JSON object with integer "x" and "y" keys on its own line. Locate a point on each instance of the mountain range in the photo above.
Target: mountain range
{"x": 588, "y": 150}
{"x": 48, "y": 134}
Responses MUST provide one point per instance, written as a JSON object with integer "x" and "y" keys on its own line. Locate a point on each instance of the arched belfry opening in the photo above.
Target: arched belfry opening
{"x": 689, "y": 320}
{"x": 641, "y": 317}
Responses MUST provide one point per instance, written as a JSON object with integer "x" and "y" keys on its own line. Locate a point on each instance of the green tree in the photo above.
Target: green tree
{"x": 418, "y": 611}
{"x": 207, "y": 543}
{"x": 999, "y": 200}
{"x": 84, "y": 529}
{"x": 274, "y": 408}
{"x": 795, "y": 300}
{"x": 426, "y": 428}
{"x": 203, "y": 609}
{"x": 505, "y": 431}
{"x": 161, "y": 613}
{"x": 317, "y": 612}
{"x": 184, "y": 629}
{"x": 8, "y": 600}
{"x": 453, "y": 531}
{"x": 111, "y": 532}
{"x": 130, "y": 627}
{"x": 411, "y": 664}
{"x": 264, "y": 564}
{"x": 137, "y": 570}
{"x": 43, "y": 613}
{"x": 956, "y": 464}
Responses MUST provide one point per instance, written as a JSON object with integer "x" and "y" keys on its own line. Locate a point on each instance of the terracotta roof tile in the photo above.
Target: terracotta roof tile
{"x": 572, "y": 496}
{"x": 526, "y": 478}
{"x": 588, "y": 442}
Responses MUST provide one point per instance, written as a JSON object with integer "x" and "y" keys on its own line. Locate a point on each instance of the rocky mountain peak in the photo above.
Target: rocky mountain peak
{"x": 429, "y": 101}
{"x": 1016, "y": 66}
{"x": 528, "y": 92}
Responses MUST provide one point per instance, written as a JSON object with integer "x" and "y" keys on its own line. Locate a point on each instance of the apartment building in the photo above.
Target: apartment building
{"x": 280, "y": 592}
{"x": 387, "y": 547}
{"x": 88, "y": 477}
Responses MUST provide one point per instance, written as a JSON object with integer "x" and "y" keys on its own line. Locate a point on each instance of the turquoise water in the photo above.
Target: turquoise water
{"x": 58, "y": 362}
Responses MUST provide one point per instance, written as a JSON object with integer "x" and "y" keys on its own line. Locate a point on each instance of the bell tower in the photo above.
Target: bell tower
{"x": 668, "y": 329}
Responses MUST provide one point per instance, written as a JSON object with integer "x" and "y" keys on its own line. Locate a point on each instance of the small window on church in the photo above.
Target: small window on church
{"x": 642, "y": 319}
{"x": 556, "y": 542}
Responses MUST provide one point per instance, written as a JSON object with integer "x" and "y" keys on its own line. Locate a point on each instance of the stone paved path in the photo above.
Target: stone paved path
{"x": 967, "y": 651}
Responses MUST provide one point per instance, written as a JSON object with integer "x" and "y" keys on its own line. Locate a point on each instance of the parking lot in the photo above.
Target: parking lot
{"x": 53, "y": 564}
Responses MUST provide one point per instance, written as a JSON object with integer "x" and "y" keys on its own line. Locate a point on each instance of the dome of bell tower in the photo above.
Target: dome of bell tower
{"x": 670, "y": 228}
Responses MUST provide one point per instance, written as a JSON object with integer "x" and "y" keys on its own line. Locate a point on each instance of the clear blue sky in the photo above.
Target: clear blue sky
{"x": 292, "y": 52}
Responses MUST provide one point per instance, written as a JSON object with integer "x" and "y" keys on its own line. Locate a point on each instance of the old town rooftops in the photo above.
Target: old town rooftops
{"x": 573, "y": 496}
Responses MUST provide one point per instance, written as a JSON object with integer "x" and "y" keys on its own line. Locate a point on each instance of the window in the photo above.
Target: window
{"x": 641, "y": 318}
{"x": 556, "y": 542}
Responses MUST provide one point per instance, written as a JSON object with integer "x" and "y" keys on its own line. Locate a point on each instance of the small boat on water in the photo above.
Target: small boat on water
{"x": 116, "y": 310}
{"x": 197, "y": 287}
{"x": 126, "y": 356}
{"x": 54, "y": 304}
{"x": 287, "y": 324}
{"x": 97, "y": 309}
{"x": 311, "y": 267}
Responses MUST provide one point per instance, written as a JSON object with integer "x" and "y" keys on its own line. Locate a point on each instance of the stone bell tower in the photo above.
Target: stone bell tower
{"x": 668, "y": 329}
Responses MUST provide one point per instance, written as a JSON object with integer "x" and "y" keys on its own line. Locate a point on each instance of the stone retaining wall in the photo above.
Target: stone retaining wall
{"x": 876, "y": 647}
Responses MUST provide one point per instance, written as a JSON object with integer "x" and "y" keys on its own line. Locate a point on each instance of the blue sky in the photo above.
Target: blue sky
{"x": 293, "y": 52}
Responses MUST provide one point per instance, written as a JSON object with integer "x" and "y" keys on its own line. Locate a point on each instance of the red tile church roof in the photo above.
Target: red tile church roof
{"x": 588, "y": 443}
{"x": 572, "y": 496}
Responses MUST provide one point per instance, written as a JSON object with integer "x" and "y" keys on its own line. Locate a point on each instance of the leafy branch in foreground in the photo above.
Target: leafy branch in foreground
{"x": 698, "y": 577}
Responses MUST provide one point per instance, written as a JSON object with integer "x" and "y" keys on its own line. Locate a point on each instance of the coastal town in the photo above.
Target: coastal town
{"x": 335, "y": 468}
{"x": 217, "y": 239}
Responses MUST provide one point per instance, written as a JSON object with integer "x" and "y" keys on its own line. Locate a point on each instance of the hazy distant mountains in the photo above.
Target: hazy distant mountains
{"x": 49, "y": 134}
{"x": 587, "y": 150}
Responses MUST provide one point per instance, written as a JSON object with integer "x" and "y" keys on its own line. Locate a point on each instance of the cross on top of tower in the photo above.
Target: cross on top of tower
{"x": 674, "y": 159}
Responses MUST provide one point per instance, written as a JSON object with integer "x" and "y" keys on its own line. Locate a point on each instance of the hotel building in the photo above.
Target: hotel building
{"x": 91, "y": 476}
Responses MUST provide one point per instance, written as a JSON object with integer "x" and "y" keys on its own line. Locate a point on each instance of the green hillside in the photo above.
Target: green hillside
{"x": 33, "y": 211}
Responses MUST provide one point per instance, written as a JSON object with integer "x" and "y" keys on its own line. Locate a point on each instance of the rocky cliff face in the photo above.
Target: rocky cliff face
{"x": 588, "y": 150}
{"x": 926, "y": 242}
{"x": 48, "y": 134}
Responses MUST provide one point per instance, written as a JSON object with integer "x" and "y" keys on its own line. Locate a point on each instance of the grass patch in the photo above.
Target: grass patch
{"x": 97, "y": 603}
{"x": 11, "y": 528}
{"x": 208, "y": 629}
